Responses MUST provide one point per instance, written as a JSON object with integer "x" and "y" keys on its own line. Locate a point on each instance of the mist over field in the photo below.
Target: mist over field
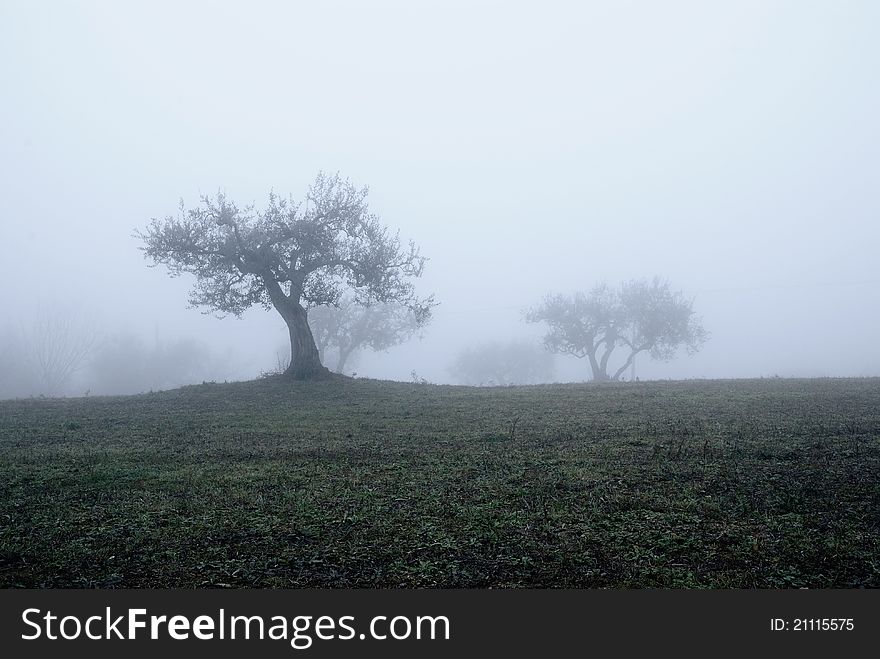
{"x": 642, "y": 236}
{"x": 527, "y": 149}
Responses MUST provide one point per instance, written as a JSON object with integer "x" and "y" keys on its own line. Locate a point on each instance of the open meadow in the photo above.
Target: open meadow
{"x": 770, "y": 483}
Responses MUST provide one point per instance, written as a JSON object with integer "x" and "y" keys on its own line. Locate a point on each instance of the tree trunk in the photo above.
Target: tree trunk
{"x": 305, "y": 363}
{"x": 629, "y": 360}
{"x": 599, "y": 374}
{"x": 343, "y": 357}
{"x": 603, "y": 364}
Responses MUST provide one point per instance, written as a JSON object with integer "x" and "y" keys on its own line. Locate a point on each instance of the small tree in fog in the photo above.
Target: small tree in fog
{"x": 289, "y": 256}
{"x": 518, "y": 362}
{"x": 55, "y": 347}
{"x": 639, "y": 316}
{"x": 349, "y": 327}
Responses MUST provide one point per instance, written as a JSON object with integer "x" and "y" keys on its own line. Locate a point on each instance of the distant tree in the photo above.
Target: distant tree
{"x": 349, "y": 327}
{"x": 638, "y": 316}
{"x": 289, "y": 256}
{"x": 517, "y": 362}
{"x": 57, "y": 346}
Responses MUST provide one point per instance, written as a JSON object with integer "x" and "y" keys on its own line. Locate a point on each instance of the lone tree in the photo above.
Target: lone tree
{"x": 638, "y": 316}
{"x": 57, "y": 347}
{"x": 349, "y": 327}
{"x": 290, "y": 256}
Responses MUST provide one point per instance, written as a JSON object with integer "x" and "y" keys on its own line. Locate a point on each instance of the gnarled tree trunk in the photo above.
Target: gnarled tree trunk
{"x": 305, "y": 362}
{"x": 597, "y": 369}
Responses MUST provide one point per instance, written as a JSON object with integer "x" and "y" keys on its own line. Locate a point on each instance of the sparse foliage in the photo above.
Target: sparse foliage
{"x": 639, "y": 316}
{"x": 55, "y": 347}
{"x": 350, "y": 327}
{"x": 290, "y": 256}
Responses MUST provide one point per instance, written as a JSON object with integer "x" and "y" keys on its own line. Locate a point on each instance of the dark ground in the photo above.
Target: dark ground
{"x": 769, "y": 483}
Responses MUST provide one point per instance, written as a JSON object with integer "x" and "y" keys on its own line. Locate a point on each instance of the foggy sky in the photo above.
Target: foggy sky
{"x": 528, "y": 148}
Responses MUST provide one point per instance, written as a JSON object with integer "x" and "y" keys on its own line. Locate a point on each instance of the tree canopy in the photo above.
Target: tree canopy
{"x": 638, "y": 316}
{"x": 290, "y": 256}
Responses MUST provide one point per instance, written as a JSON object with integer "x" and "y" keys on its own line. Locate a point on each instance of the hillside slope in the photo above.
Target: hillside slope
{"x": 359, "y": 483}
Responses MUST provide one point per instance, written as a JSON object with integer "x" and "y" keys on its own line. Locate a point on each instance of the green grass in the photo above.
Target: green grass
{"x": 357, "y": 483}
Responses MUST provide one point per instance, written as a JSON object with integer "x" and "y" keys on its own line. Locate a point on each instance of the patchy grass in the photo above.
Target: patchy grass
{"x": 357, "y": 483}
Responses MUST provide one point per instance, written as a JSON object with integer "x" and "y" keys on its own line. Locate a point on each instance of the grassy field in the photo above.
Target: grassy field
{"x": 357, "y": 483}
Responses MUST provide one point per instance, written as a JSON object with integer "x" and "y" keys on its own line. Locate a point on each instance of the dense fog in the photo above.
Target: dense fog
{"x": 527, "y": 148}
